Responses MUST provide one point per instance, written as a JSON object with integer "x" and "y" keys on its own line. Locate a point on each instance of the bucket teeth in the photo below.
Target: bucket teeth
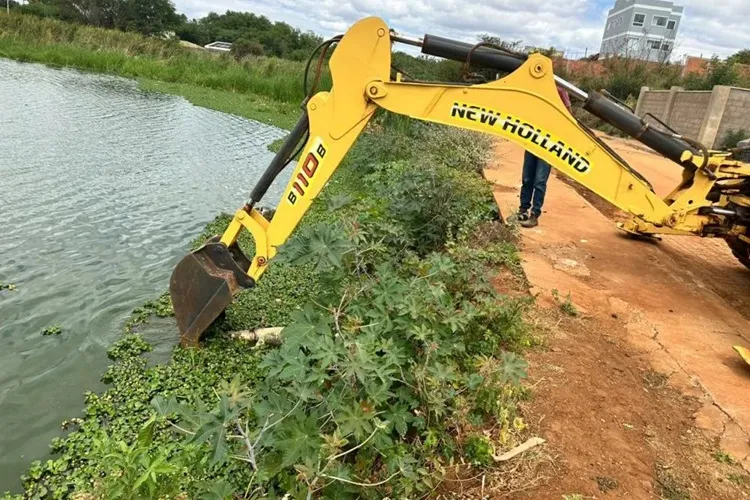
{"x": 203, "y": 284}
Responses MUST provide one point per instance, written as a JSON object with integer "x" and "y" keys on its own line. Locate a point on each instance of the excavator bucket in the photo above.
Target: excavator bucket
{"x": 203, "y": 284}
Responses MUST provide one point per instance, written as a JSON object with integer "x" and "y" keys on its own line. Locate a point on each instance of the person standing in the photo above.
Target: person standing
{"x": 534, "y": 181}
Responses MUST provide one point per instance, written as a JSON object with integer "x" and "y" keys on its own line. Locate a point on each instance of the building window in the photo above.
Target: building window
{"x": 670, "y": 25}
{"x": 639, "y": 19}
{"x": 659, "y": 21}
{"x": 665, "y": 47}
{"x": 654, "y": 44}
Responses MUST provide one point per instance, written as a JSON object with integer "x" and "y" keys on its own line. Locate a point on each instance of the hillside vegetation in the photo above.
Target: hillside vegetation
{"x": 59, "y": 43}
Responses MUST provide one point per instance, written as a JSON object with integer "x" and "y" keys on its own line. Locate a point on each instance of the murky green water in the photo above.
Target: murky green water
{"x": 102, "y": 187}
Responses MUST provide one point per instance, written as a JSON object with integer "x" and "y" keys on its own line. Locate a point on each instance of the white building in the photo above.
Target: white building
{"x": 641, "y": 29}
{"x": 219, "y": 46}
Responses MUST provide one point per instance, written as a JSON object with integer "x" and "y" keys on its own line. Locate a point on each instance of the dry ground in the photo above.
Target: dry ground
{"x": 639, "y": 395}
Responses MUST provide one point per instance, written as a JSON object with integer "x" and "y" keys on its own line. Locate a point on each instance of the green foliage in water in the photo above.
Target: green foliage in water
{"x": 161, "y": 308}
{"x": 395, "y": 345}
{"x": 7, "y": 286}
{"x": 375, "y": 377}
{"x": 52, "y": 330}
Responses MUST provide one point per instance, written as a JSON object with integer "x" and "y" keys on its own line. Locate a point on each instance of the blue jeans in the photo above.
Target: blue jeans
{"x": 534, "y": 183}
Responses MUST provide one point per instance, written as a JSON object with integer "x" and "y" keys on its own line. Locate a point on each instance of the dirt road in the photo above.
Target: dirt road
{"x": 642, "y": 389}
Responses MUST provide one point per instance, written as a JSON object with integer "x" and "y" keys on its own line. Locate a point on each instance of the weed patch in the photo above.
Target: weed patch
{"x": 670, "y": 488}
{"x": 606, "y": 483}
{"x": 738, "y": 479}
{"x": 52, "y": 330}
{"x": 732, "y": 137}
{"x": 723, "y": 457}
{"x": 655, "y": 380}
{"x": 566, "y": 305}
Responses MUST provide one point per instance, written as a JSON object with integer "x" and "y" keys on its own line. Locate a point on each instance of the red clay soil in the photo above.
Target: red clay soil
{"x": 639, "y": 395}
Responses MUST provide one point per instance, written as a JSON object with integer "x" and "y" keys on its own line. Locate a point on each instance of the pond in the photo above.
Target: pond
{"x": 102, "y": 188}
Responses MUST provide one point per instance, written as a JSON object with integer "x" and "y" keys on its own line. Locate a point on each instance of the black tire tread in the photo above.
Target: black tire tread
{"x": 741, "y": 250}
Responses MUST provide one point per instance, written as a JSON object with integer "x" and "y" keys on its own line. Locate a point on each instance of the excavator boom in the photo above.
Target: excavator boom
{"x": 523, "y": 107}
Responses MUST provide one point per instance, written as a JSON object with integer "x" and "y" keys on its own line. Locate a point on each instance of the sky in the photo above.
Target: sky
{"x": 715, "y": 27}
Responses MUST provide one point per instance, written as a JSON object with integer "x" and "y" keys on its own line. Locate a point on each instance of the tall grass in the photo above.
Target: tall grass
{"x": 54, "y": 42}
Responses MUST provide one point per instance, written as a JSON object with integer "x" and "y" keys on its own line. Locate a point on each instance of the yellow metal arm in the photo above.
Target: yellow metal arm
{"x": 523, "y": 107}
{"x": 337, "y": 118}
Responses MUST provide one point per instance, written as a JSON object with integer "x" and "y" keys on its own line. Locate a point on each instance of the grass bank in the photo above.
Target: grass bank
{"x": 265, "y": 89}
{"x": 256, "y": 107}
{"x": 400, "y": 364}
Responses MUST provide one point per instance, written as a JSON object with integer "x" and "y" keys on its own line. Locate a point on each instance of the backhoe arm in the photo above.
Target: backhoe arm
{"x": 523, "y": 107}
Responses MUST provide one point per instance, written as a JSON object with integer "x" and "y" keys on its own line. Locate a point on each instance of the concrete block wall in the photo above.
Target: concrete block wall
{"x": 706, "y": 116}
{"x": 736, "y": 114}
{"x": 652, "y": 101}
{"x": 688, "y": 110}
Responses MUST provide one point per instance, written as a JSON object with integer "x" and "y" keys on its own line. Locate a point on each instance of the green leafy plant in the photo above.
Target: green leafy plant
{"x": 134, "y": 471}
{"x": 383, "y": 363}
{"x": 732, "y": 137}
{"x": 566, "y": 305}
{"x": 7, "y": 286}
{"x": 479, "y": 450}
{"x": 52, "y": 330}
{"x": 723, "y": 457}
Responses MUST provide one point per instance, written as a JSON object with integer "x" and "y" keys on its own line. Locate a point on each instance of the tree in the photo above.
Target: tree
{"x": 150, "y": 17}
{"x": 514, "y": 46}
{"x": 276, "y": 38}
{"x": 246, "y": 47}
{"x": 39, "y": 9}
{"x": 740, "y": 57}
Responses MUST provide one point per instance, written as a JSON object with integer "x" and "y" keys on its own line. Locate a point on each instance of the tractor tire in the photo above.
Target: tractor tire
{"x": 741, "y": 250}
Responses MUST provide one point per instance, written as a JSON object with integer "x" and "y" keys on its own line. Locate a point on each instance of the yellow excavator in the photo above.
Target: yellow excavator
{"x": 712, "y": 199}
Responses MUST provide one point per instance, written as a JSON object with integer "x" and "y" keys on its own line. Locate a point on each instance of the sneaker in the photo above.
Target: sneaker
{"x": 522, "y": 216}
{"x": 531, "y": 221}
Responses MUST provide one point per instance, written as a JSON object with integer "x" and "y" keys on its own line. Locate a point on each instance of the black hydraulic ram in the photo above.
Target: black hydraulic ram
{"x": 595, "y": 103}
